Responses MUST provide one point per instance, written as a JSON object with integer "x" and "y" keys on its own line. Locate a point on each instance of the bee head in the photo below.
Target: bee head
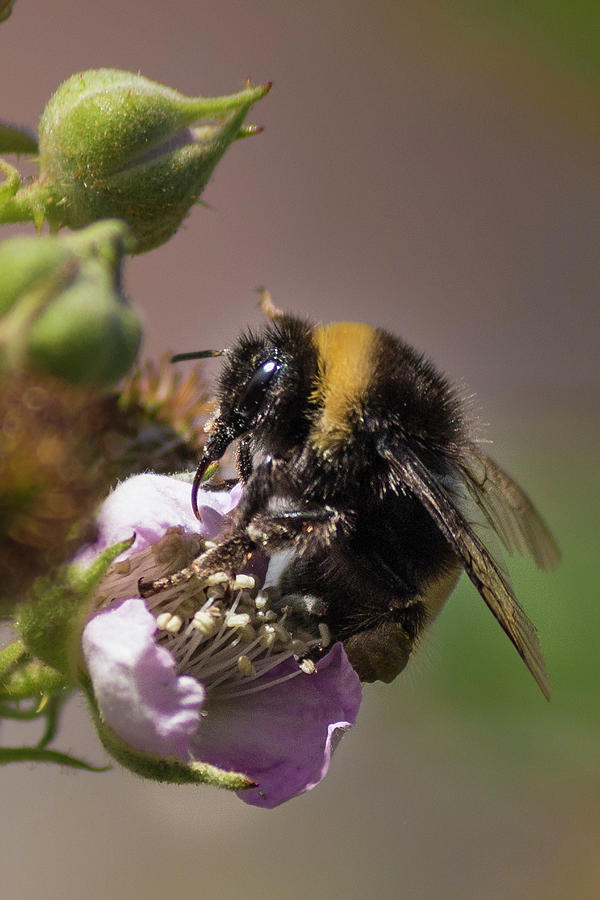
{"x": 262, "y": 387}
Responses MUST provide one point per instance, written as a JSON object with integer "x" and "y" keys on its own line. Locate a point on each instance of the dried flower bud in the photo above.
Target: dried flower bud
{"x": 115, "y": 144}
{"x": 50, "y": 478}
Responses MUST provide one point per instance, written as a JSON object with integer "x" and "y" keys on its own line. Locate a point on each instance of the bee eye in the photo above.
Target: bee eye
{"x": 254, "y": 393}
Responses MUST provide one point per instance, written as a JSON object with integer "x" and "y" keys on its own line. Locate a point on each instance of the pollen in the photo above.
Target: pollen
{"x": 246, "y": 666}
{"x": 233, "y": 641}
{"x": 224, "y": 631}
{"x": 167, "y": 622}
{"x": 308, "y": 666}
{"x": 242, "y": 582}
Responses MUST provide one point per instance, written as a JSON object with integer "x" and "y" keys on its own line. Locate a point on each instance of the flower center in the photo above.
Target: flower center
{"x": 234, "y": 639}
{"x": 223, "y": 632}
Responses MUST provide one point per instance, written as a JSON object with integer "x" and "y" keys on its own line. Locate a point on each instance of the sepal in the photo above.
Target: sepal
{"x": 23, "y": 678}
{"x": 164, "y": 769}
{"x": 50, "y": 621}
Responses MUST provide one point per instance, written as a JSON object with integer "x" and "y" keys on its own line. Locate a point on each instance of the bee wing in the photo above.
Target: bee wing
{"x": 508, "y": 509}
{"x": 409, "y": 472}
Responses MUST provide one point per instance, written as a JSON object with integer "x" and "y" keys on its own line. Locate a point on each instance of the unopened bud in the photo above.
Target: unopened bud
{"x": 62, "y": 310}
{"x": 115, "y": 144}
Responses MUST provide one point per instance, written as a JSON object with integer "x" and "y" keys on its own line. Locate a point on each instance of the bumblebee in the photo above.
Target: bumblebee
{"x": 361, "y": 474}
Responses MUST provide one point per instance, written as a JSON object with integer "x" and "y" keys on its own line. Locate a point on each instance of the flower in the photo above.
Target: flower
{"x": 208, "y": 671}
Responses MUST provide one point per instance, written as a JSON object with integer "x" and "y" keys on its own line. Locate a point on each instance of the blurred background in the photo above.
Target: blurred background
{"x": 430, "y": 167}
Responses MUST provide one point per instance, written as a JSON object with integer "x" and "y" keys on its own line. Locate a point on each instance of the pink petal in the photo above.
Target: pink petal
{"x": 283, "y": 737}
{"x": 148, "y": 505}
{"x": 138, "y": 691}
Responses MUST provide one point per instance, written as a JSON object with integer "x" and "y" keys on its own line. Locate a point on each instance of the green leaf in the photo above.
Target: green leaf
{"x": 16, "y": 138}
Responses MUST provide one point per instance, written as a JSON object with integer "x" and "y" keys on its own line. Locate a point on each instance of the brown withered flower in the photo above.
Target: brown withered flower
{"x": 50, "y": 475}
{"x": 157, "y": 420}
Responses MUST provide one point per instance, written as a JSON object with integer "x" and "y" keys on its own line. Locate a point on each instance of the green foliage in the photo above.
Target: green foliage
{"x": 566, "y": 33}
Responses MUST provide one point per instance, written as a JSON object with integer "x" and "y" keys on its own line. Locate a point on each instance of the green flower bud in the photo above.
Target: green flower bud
{"x": 87, "y": 335}
{"x": 25, "y": 261}
{"x": 115, "y": 144}
{"x": 62, "y": 310}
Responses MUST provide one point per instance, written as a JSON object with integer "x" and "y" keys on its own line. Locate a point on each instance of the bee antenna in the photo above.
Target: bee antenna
{"x": 198, "y": 354}
{"x": 268, "y": 306}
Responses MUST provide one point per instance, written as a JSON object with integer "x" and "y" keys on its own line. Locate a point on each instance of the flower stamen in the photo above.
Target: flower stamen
{"x": 232, "y": 638}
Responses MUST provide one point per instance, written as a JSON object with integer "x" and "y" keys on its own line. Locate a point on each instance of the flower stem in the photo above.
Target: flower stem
{"x": 40, "y": 754}
{"x": 32, "y": 203}
{"x": 12, "y": 180}
{"x": 52, "y": 712}
{"x": 10, "y": 657}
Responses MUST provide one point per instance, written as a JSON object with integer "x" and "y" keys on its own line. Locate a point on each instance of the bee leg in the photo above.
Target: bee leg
{"x": 298, "y": 527}
{"x": 380, "y": 653}
{"x": 229, "y": 557}
{"x": 244, "y": 458}
{"x": 269, "y": 479}
{"x": 385, "y": 624}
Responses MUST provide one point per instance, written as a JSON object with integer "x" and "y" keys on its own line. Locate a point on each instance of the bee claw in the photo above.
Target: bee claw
{"x": 145, "y": 588}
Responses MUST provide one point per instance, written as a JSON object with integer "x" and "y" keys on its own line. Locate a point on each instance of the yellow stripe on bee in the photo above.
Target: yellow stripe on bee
{"x": 346, "y": 354}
